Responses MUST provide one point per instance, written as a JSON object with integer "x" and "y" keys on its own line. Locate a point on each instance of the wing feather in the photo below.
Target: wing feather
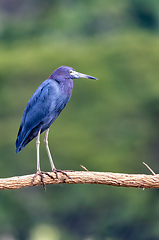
{"x": 39, "y": 112}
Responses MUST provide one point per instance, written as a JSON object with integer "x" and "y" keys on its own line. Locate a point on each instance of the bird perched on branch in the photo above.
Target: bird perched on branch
{"x": 43, "y": 108}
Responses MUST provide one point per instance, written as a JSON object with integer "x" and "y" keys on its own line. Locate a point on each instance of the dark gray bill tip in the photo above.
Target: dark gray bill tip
{"x": 90, "y": 77}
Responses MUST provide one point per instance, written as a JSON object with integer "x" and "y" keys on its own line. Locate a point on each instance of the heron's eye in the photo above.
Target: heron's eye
{"x": 70, "y": 71}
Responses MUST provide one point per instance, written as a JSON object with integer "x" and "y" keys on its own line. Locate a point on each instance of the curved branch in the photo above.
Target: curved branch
{"x": 84, "y": 177}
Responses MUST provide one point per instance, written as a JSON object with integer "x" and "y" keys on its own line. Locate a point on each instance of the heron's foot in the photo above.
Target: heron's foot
{"x": 60, "y": 171}
{"x": 41, "y": 174}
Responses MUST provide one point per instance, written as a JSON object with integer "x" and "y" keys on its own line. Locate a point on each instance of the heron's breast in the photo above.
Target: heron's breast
{"x": 66, "y": 87}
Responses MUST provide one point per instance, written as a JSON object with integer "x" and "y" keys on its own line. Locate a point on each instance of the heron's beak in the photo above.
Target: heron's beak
{"x": 75, "y": 74}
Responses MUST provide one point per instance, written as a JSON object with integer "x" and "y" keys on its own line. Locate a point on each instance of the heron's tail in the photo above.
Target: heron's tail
{"x": 24, "y": 137}
{"x": 22, "y": 142}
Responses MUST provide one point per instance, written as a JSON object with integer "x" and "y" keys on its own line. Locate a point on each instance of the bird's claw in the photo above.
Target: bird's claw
{"x": 58, "y": 170}
{"x": 41, "y": 174}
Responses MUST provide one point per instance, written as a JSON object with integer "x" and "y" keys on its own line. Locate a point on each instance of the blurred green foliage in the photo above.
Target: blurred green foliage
{"x": 108, "y": 125}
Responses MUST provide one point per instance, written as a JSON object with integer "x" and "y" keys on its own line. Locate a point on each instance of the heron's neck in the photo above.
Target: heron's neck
{"x": 67, "y": 86}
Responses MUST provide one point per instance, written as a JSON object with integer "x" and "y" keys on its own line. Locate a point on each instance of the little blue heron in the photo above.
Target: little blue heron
{"x": 43, "y": 108}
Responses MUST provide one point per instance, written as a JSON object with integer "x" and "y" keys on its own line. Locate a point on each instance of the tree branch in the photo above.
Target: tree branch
{"x": 84, "y": 177}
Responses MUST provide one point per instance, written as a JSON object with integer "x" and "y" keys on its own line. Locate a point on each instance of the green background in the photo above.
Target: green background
{"x": 108, "y": 125}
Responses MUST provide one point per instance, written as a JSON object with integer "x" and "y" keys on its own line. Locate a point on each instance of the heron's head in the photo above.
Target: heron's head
{"x": 62, "y": 73}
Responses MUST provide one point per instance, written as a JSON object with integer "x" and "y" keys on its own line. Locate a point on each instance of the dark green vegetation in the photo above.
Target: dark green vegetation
{"x": 108, "y": 125}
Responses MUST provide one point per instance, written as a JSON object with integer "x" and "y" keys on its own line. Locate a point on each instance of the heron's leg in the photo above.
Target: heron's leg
{"x": 39, "y": 172}
{"x": 50, "y": 158}
{"x": 37, "y": 149}
{"x": 48, "y": 150}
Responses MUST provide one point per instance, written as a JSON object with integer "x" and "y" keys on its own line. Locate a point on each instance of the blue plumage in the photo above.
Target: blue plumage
{"x": 44, "y": 107}
{"x": 41, "y": 111}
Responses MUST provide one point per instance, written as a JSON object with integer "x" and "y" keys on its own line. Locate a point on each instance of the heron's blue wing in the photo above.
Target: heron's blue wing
{"x": 42, "y": 109}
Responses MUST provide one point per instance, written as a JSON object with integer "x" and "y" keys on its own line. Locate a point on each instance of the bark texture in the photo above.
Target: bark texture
{"x": 84, "y": 177}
